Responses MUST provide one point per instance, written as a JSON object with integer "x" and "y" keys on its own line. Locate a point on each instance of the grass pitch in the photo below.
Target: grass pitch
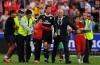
{"x": 93, "y": 61}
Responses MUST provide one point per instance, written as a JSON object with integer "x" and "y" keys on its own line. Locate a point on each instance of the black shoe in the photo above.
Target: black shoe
{"x": 53, "y": 61}
{"x": 86, "y": 62}
{"x": 21, "y": 61}
{"x": 27, "y": 61}
{"x": 46, "y": 61}
{"x": 68, "y": 62}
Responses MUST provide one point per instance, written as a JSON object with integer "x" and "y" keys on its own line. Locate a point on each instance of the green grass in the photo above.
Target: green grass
{"x": 93, "y": 60}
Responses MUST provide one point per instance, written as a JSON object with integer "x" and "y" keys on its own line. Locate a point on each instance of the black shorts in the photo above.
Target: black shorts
{"x": 47, "y": 37}
{"x": 10, "y": 39}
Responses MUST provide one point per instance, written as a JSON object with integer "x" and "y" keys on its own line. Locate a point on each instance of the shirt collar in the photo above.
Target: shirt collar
{"x": 47, "y": 15}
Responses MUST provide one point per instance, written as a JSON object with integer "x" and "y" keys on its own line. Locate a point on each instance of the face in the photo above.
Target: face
{"x": 40, "y": 21}
{"x": 48, "y": 10}
{"x": 20, "y": 14}
{"x": 85, "y": 16}
{"x": 77, "y": 19}
{"x": 6, "y": 12}
{"x": 60, "y": 13}
{"x": 65, "y": 4}
{"x": 97, "y": 2}
{"x": 29, "y": 15}
{"x": 14, "y": 15}
{"x": 49, "y": 3}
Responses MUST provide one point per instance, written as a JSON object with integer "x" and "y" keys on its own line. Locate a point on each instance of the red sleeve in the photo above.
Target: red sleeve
{"x": 81, "y": 25}
{"x": 44, "y": 28}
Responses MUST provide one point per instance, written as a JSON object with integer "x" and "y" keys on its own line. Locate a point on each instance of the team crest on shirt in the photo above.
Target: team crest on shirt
{"x": 50, "y": 17}
{"x": 44, "y": 17}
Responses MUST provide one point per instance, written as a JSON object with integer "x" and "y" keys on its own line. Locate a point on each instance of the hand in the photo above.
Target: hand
{"x": 55, "y": 34}
{"x": 35, "y": 31}
{"x": 78, "y": 31}
{"x": 69, "y": 30}
{"x": 81, "y": 29}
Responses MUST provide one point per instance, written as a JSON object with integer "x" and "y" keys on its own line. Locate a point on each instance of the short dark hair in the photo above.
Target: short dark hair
{"x": 76, "y": 17}
{"x": 20, "y": 11}
{"x": 28, "y": 12}
{"x": 12, "y": 11}
{"x": 47, "y": 6}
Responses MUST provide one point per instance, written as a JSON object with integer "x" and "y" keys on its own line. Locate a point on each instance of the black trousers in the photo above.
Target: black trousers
{"x": 37, "y": 44}
{"x": 24, "y": 48}
{"x": 87, "y": 51}
{"x": 57, "y": 40}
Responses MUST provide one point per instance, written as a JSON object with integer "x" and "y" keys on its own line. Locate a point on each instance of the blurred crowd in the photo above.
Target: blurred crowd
{"x": 71, "y": 8}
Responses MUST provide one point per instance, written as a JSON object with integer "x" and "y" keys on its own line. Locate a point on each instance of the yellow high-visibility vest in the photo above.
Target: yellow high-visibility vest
{"x": 17, "y": 23}
{"x": 88, "y": 34}
{"x": 22, "y": 30}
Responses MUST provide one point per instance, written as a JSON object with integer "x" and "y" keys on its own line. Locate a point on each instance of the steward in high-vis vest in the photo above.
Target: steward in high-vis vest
{"x": 88, "y": 35}
{"x": 17, "y": 20}
{"x": 24, "y": 35}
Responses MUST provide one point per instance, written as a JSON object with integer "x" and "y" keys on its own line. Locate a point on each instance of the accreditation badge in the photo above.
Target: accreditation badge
{"x": 58, "y": 31}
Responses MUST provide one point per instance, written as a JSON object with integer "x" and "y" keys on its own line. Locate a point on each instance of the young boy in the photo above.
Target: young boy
{"x": 37, "y": 38}
{"x": 79, "y": 40}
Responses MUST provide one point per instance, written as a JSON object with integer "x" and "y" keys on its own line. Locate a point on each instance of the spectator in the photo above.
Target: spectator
{"x": 96, "y": 11}
{"x": 71, "y": 15}
{"x": 87, "y": 7}
{"x": 3, "y": 19}
{"x": 36, "y": 8}
{"x": 74, "y": 7}
{"x": 1, "y": 8}
{"x": 65, "y": 8}
{"x": 54, "y": 8}
{"x": 15, "y": 5}
{"x": 7, "y": 5}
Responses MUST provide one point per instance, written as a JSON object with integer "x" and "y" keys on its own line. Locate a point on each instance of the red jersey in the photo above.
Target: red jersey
{"x": 7, "y": 5}
{"x": 39, "y": 28}
{"x": 79, "y": 25}
{"x": 53, "y": 9}
{"x": 15, "y": 6}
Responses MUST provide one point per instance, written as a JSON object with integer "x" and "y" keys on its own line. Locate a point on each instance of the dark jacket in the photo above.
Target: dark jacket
{"x": 63, "y": 27}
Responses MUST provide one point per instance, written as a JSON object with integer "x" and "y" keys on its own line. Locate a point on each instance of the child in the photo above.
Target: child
{"x": 37, "y": 38}
{"x": 79, "y": 40}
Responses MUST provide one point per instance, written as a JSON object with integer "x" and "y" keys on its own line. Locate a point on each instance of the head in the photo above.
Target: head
{"x": 6, "y": 13}
{"x": 84, "y": 15}
{"x": 91, "y": 18}
{"x": 36, "y": 16}
{"x": 20, "y": 13}
{"x": 28, "y": 13}
{"x": 65, "y": 4}
{"x": 77, "y": 19}
{"x": 36, "y": 2}
{"x": 97, "y": 2}
{"x": 28, "y": 7}
{"x": 49, "y": 2}
{"x": 48, "y": 9}
{"x": 60, "y": 13}
{"x": 13, "y": 13}
{"x": 74, "y": 6}
{"x": 39, "y": 21}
